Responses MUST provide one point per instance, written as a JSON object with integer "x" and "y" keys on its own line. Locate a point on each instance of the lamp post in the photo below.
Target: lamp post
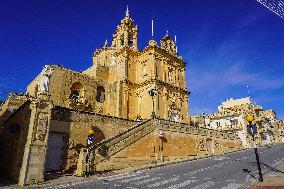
{"x": 153, "y": 92}
{"x": 252, "y": 131}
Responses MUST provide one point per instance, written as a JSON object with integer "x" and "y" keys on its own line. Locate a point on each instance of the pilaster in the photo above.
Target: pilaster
{"x": 33, "y": 165}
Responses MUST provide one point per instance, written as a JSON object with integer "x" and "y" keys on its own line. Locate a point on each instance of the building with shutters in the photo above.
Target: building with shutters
{"x": 232, "y": 114}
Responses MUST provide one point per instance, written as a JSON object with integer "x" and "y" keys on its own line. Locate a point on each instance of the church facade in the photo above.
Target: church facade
{"x": 135, "y": 100}
{"x": 120, "y": 78}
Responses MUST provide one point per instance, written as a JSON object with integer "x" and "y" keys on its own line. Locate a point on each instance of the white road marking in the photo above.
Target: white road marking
{"x": 147, "y": 180}
{"x": 185, "y": 183}
{"x": 216, "y": 165}
{"x": 135, "y": 178}
{"x": 122, "y": 177}
{"x": 116, "y": 177}
{"x": 163, "y": 182}
{"x": 67, "y": 185}
{"x": 231, "y": 180}
{"x": 205, "y": 185}
{"x": 232, "y": 186}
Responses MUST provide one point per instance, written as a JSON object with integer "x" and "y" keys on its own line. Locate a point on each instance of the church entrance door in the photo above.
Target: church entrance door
{"x": 54, "y": 151}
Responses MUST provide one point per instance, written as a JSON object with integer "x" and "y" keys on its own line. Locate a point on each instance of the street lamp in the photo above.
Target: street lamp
{"x": 252, "y": 130}
{"x": 153, "y": 92}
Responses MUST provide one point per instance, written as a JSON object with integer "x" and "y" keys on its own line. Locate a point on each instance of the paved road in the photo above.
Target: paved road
{"x": 219, "y": 172}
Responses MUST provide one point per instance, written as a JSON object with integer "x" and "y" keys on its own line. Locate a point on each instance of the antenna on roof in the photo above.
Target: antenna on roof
{"x": 176, "y": 44}
{"x": 152, "y": 28}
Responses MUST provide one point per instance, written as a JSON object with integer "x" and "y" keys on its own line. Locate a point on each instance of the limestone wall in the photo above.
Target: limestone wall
{"x": 175, "y": 146}
{"x": 12, "y": 142}
{"x": 179, "y": 142}
{"x": 11, "y": 104}
{"x": 75, "y": 126}
{"x": 64, "y": 81}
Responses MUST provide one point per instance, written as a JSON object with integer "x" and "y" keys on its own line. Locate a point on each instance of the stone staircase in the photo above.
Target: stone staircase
{"x": 102, "y": 156}
{"x": 109, "y": 147}
{"x": 167, "y": 125}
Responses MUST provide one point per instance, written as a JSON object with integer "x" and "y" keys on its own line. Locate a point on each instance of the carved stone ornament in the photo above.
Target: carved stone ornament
{"x": 112, "y": 60}
{"x": 144, "y": 71}
{"x": 202, "y": 145}
{"x": 41, "y": 128}
{"x": 217, "y": 145}
{"x": 70, "y": 144}
{"x": 100, "y": 110}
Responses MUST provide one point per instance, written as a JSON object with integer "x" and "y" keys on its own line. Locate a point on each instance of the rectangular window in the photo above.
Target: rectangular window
{"x": 234, "y": 122}
{"x": 218, "y": 124}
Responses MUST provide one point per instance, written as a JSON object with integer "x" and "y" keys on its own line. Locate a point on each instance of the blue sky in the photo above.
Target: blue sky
{"x": 227, "y": 44}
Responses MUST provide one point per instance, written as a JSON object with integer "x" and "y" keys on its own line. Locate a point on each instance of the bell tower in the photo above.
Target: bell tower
{"x": 126, "y": 34}
{"x": 169, "y": 45}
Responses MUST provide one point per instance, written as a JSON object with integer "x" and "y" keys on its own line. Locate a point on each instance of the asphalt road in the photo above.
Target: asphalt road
{"x": 218, "y": 172}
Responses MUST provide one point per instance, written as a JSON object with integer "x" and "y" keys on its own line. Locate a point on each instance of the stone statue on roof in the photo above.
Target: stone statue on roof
{"x": 43, "y": 84}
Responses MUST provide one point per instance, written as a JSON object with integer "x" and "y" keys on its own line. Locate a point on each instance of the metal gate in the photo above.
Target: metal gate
{"x": 54, "y": 152}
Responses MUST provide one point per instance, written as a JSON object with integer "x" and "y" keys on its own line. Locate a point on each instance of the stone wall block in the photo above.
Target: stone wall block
{"x": 32, "y": 170}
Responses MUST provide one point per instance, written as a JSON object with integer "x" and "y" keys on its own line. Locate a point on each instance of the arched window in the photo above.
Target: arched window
{"x": 100, "y": 94}
{"x": 122, "y": 40}
{"x": 130, "y": 42}
{"x": 75, "y": 92}
{"x": 74, "y": 96}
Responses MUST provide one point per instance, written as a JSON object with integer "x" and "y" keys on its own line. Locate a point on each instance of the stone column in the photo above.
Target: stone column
{"x": 139, "y": 105}
{"x": 183, "y": 79}
{"x": 118, "y": 99}
{"x": 33, "y": 165}
{"x": 126, "y": 38}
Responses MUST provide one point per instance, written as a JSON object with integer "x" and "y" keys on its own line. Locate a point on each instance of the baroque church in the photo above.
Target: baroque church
{"x": 120, "y": 78}
{"x": 135, "y": 100}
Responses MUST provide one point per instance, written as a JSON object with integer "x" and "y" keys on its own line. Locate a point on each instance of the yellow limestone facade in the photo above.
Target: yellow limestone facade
{"x": 117, "y": 83}
{"x": 46, "y": 129}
